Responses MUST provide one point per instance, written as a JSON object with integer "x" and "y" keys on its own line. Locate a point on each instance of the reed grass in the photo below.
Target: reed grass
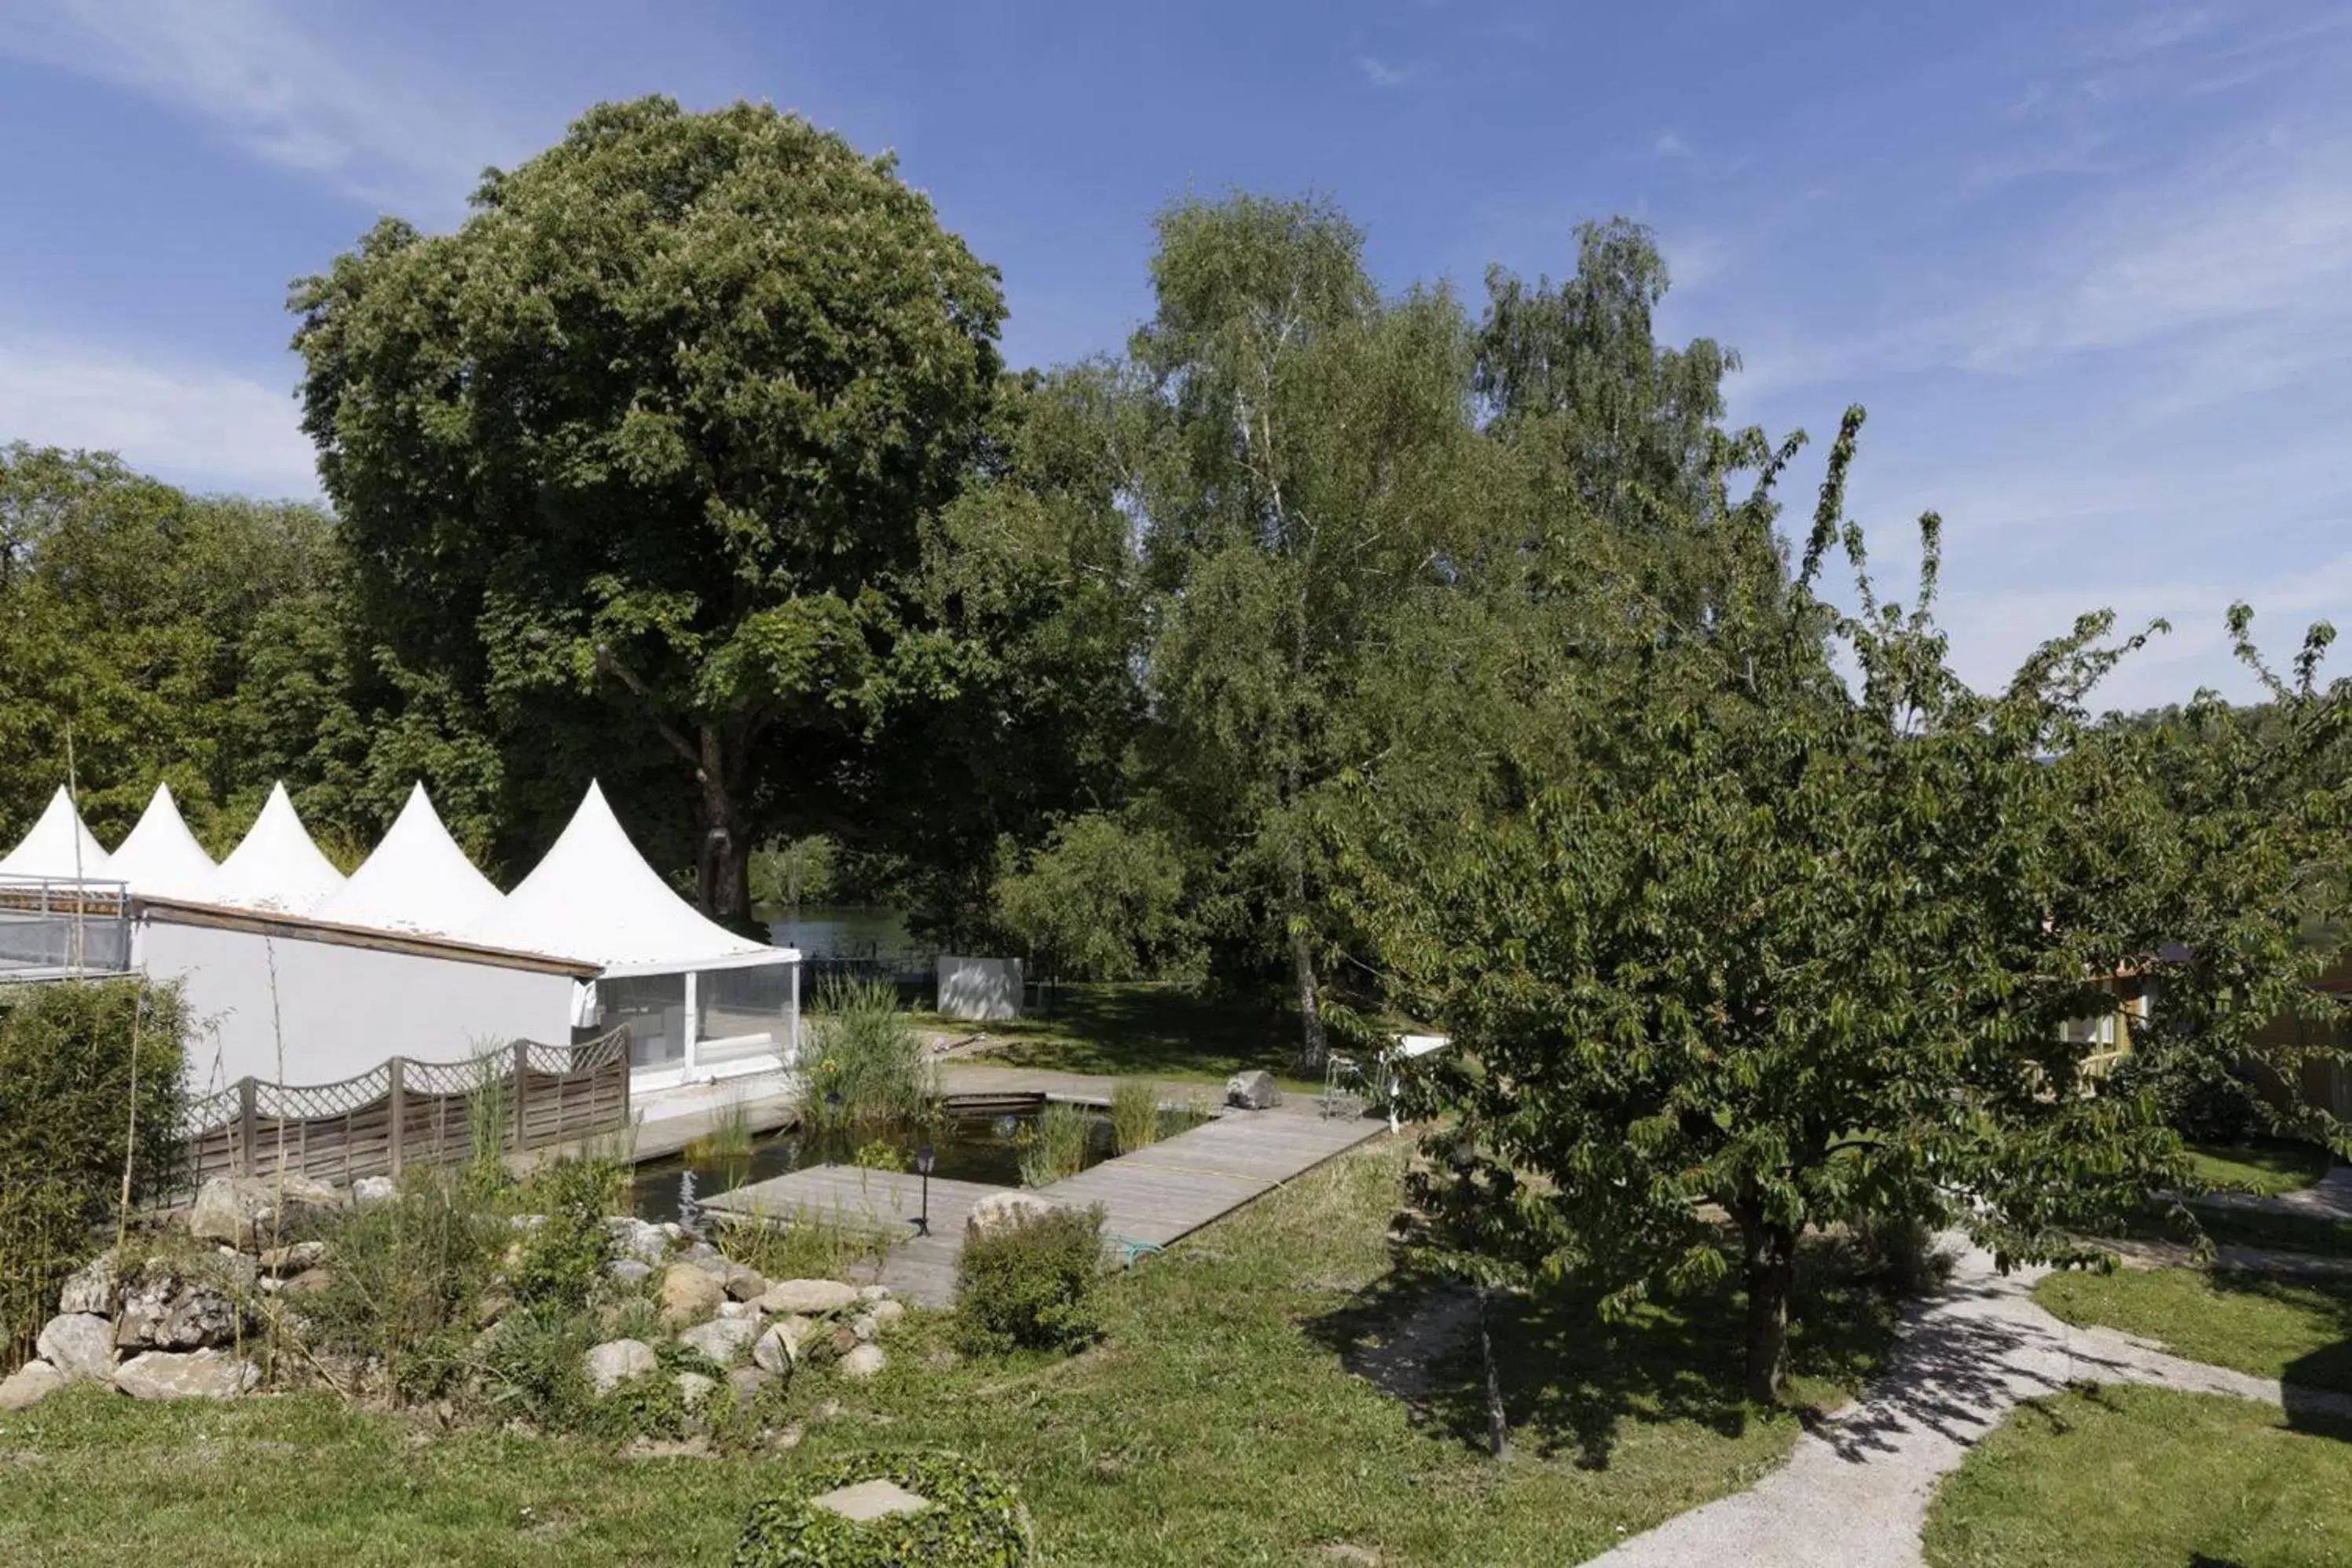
{"x": 1134, "y": 1114}
{"x": 1056, "y": 1148}
{"x": 863, "y": 1068}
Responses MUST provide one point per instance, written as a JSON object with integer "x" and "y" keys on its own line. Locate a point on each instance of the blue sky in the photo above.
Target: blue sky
{"x": 2088, "y": 265}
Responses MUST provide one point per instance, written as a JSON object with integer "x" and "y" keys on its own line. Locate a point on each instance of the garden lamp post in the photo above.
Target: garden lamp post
{"x": 924, "y": 1156}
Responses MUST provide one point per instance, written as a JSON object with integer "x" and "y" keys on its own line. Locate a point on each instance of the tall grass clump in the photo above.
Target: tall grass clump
{"x": 1056, "y": 1148}
{"x": 863, "y": 1068}
{"x": 1134, "y": 1114}
{"x": 90, "y": 1090}
{"x": 807, "y": 1243}
{"x": 727, "y": 1144}
{"x": 489, "y": 1108}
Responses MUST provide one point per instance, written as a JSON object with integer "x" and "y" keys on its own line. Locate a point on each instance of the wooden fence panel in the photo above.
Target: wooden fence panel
{"x": 409, "y": 1113}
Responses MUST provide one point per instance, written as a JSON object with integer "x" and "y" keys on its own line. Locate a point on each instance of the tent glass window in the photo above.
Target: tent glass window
{"x": 742, "y": 1011}
{"x": 653, "y": 1007}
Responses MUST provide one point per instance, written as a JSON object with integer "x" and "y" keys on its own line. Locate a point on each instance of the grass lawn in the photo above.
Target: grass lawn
{"x": 2268, "y": 1167}
{"x": 2255, "y": 1228}
{"x": 1224, "y": 1421}
{"x": 2120, "y": 1477}
{"x": 1155, "y": 1030}
{"x": 2299, "y": 1331}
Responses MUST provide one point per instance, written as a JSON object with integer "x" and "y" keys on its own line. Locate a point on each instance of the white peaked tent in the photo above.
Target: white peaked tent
{"x": 693, "y": 992}
{"x": 275, "y": 867}
{"x": 60, "y": 846}
{"x": 591, "y": 896}
{"x": 161, "y": 859}
{"x": 417, "y": 880}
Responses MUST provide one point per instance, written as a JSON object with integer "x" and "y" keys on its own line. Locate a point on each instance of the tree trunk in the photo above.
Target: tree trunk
{"x": 722, "y": 851}
{"x": 1498, "y": 1427}
{"x": 1770, "y": 1255}
{"x": 1313, "y": 1045}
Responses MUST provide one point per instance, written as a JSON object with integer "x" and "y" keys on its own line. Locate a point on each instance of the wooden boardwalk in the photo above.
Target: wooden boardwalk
{"x": 1156, "y": 1195}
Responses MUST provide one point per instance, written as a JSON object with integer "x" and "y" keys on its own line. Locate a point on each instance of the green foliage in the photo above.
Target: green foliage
{"x": 863, "y": 1068}
{"x": 406, "y": 1278}
{"x": 1054, "y": 1147}
{"x": 1134, "y": 1114}
{"x": 792, "y": 872}
{"x": 560, "y": 1261}
{"x": 1033, "y": 1286}
{"x": 732, "y": 366}
{"x": 880, "y": 1154}
{"x": 80, "y": 1061}
{"x": 1102, "y": 900}
{"x": 727, "y": 1143}
{"x": 975, "y": 1520}
{"x": 1740, "y": 930}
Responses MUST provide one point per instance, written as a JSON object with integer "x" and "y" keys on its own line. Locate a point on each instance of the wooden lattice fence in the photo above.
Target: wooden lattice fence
{"x": 410, "y": 1112}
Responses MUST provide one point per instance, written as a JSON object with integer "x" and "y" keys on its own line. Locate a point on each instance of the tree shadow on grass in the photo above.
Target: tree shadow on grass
{"x": 1570, "y": 1379}
{"x": 2316, "y": 1385}
{"x": 1146, "y": 1030}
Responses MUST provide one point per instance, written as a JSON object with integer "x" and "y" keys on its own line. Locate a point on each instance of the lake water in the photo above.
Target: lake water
{"x": 823, "y": 931}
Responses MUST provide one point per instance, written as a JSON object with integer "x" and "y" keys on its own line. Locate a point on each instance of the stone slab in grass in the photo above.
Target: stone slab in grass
{"x": 869, "y": 1500}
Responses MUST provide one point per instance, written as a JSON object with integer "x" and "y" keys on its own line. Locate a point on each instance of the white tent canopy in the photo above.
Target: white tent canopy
{"x": 275, "y": 866}
{"x": 593, "y": 898}
{"x": 161, "y": 859}
{"x": 60, "y": 846}
{"x": 417, "y": 880}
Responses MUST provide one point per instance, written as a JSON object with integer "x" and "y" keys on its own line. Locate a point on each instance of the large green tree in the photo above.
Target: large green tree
{"x": 1800, "y": 941}
{"x": 1306, "y": 460}
{"x": 642, "y": 452}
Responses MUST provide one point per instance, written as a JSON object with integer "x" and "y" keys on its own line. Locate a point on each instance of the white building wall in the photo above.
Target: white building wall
{"x": 342, "y": 1010}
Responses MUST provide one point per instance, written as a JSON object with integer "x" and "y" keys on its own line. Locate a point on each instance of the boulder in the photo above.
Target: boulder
{"x": 863, "y": 1328}
{"x": 873, "y": 1293}
{"x": 863, "y": 1362}
{"x": 840, "y": 1341}
{"x": 739, "y": 1310}
{"x": 238, "y": 1268}
{"x": 1253, "y": 1090}
{"x": 694, "y": 1390}
{"x": 812, "y": 1296}
{"x": 690, "y": 1294}
{"x": 1000, "y": 1212}
{"x": 747, "y": 1382}
{"x": 702, "y": 1255}
{"x": 164, "y": 1309}
{"x": 79, "y": 1345}
{"x": 284, "y": 1260}
{"x": 616, "y": 1361}
{"x": 743, "y": 1284}
{"x": 628, "y": 1270}
{"x": 96, "y": 1287}
{"x": 722, "y": 1340}
{"x": 243, "y": 1211}
{"x": 776, "y": 1350}
{"x": 886, "y": 1315}
{"x": 370, "y": 1190}
{"x": 635, "y": 1238}
{"x": 198, "y": 1374}
{"x": 29, "y": 1385}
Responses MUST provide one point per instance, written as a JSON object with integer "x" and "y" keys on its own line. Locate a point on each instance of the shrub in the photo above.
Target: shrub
{"x": 1032, "y": 1286}
{"x": 865, "y": 1069}
{"x": 68, "y": 1063}
{"x": 1055, "y": 1147}
{"x": 1898, "y": 1254}
{"x": 558, "y": 1264}
{"x": 975, "y": 1520}
{"x": 1134, "y": 1114}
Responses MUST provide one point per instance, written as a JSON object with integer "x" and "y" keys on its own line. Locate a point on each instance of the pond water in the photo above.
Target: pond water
{"x": 985, "y": 1149}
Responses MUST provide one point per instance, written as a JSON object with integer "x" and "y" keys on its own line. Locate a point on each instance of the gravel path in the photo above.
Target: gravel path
{"x": 2328, "y": 1198}
{"x": 1855, "y": 1492}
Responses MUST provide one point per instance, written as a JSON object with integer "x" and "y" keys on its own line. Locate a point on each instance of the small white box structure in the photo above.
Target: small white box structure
{"x": 980, "y": 990}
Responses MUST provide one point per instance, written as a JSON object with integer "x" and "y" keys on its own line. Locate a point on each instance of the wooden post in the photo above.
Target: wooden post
{"x": 521, "y": 1090}
{"x": 395, "y": 1092}
{"x": 244, "y": 1128}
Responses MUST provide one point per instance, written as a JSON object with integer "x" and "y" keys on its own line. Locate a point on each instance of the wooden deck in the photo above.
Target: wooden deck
{"x": 1156, "y": 1195}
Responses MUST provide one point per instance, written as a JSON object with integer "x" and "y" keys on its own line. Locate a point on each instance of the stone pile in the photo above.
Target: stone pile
{"x": 167, "y": 1324}
{"x": 755, "y": 1331}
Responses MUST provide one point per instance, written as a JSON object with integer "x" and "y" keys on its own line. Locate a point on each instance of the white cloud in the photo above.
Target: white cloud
{"x": 202, "y": 428}
{"x": 1670, "y": 144}
{"x": 262, "y": 73}
{"x": 1381, "y": 74}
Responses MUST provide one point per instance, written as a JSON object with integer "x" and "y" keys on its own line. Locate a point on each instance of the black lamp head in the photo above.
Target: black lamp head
{"x": 923, "y": 1158}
